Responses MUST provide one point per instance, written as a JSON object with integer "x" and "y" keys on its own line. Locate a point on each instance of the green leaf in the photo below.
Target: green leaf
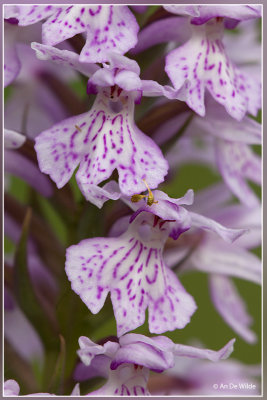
{"x": 56, "y": 385}
{"x": 24, "y": 292}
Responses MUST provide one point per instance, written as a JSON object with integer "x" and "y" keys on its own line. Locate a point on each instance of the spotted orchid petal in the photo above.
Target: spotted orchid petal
{"x": 63, "y": 57}
{"x": 12, "y": 139}
{"x": 219, "y": 124}
{"x": 107, "y": 28}
{"x": 132, "y": 269}
{"x": 237, "y": 162}
{"x": 203, "y": 61}
{"x": 231, "y": 306}
{"x": 88, "y": 349}
{"x": 165, "y": 207}
{"x": 137, "y": 354}
{"x": 11, "y": 61}
{"x": 169, "y": 209}
{"x": 225, "y": 259}
{"x": 244, "y": 217}
{"x": 155, "y": 353}
{"x": 228, "y": 234}
{"x": 101, "y": 140}
{"x": 203, "y": 13}
{"x": 127, "y": 380}
{"x": 189, "y": 351}
{"x": 28, "y": 14}
{"x": 99, "y": 195}
{"x": 152, "y": 88}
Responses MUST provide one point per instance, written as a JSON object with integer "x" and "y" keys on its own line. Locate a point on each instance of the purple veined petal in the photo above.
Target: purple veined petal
{"x": 236, "y": 162}
{"x": 162, "y": 343}
{"x": 231, "y": 306}
{"x": 100, "y": 141}
{"x": 12, "y": 139}
{"x": 211, "y": 69}
{"x": 29, "y": 14}
{"x": 146, "y": 353}
{"x": 63, "y": 57}
{"x": 172, "y": 310}
{"x": 57, "y": 150}
{"x": 128, "y": 80}
{"x": 103, "y": 78}
{"x": 125, "y": 79}
{"x": 131, "y": 267}
{"x": 165, "y": 207}
{"x": 232, "y": 12}
{"x": 11, "y": 388}
{"x": 218, "y": 123}
{"x": 203, "y": 13}
{"x": 88, "y": 349}
{"x": 187, "y": 199}
{"x": 244, "y": 217}
{"x": 222, "y": 258}
{"x": 194, "y": 352}
{"x": 122, "y": 62}
{"x": 99, "y": 195}
{"x": 22, "y": 336}
{"x": 167, "y": 210}
{"x": 168, "y": 29}
{"x": 12, "y": 63}
{"x": 126, "y": 380}
{"x": 228, "y": 234}
{"x": 107, "y": 27}
{"x": 20, "y": 166}
{"x": 152, "y": 88}
{"x": 180, "y": 227}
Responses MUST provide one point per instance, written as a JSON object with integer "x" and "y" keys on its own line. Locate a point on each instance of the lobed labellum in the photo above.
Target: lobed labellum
{"x": 100, "y": 141}
{"x": 108, "y": 28}
{"x": 204, "y": 62}
{"x": 131, "y": 267}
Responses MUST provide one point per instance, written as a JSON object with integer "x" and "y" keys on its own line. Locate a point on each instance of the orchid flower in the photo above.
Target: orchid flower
{"x": 106, "y": 27}
{"x": 131, "y": 266}
{"x": 105, "y": 138}
{"x": 222, "y": 260}
{"x": 129, "y": 360}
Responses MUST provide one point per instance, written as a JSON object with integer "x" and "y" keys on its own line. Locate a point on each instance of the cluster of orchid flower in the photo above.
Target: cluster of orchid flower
{"x": 214, "y": 90}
